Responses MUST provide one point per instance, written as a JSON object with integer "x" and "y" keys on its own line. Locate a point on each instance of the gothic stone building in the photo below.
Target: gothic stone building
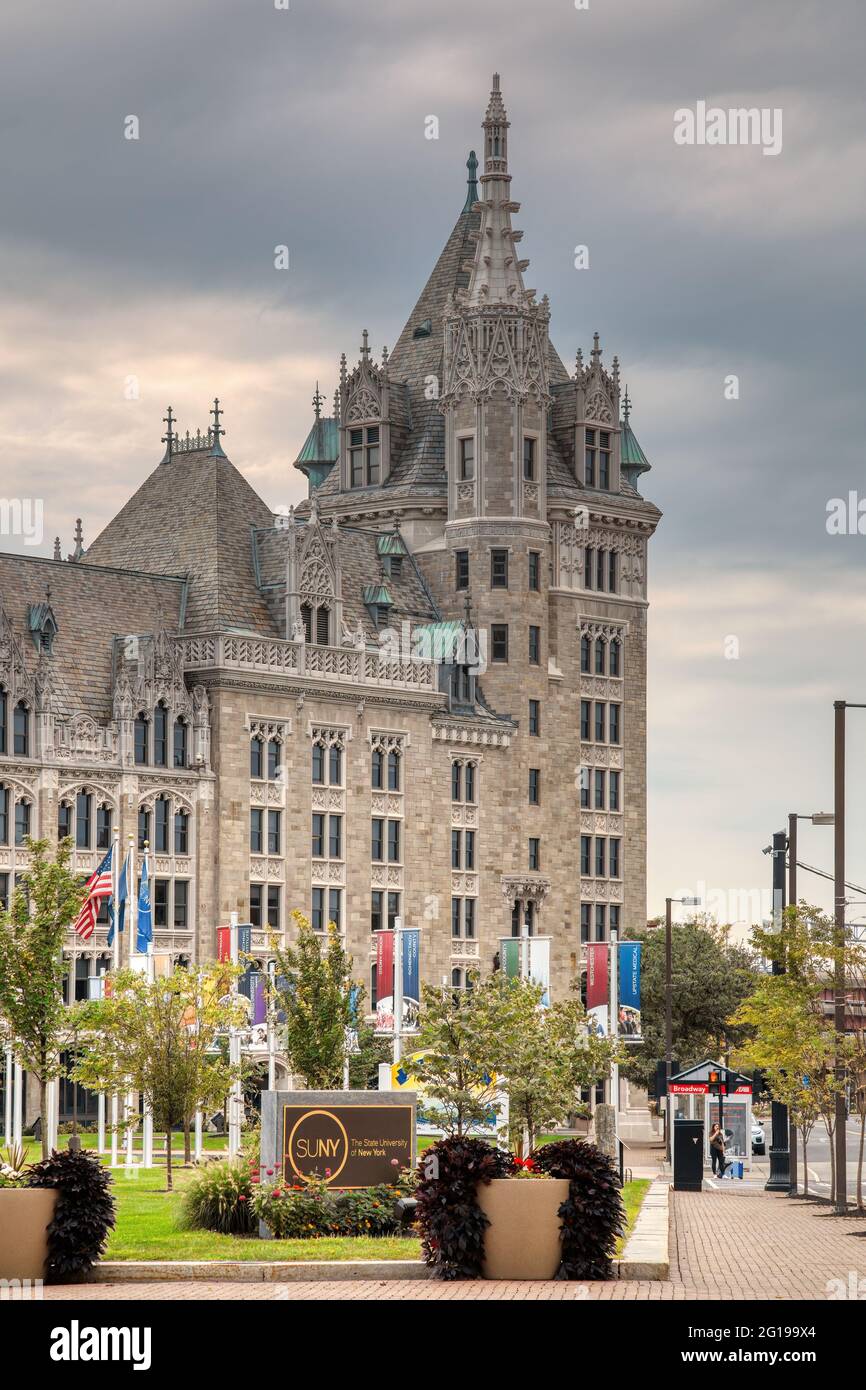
{"x": 422, "y": 692}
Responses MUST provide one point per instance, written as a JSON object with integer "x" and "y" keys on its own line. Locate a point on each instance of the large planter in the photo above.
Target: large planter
{"x": 25, "y": 1213}
{"x": 523, "y": 1238}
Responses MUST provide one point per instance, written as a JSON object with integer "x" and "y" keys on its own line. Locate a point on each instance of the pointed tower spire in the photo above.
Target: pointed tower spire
{"x": 318, "y": 402}
{"x": 471, "y": 182}
{"x": 496, "y": 275}
{"x": 169, "y": 438}
{"x": 217, "y": 430}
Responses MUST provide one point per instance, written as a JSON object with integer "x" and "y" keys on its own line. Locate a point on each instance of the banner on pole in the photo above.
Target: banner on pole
{"x": 224, "y": 943}
{"x": 597, "y": 987}
{"x": 384, "y": 982}
{"x": 629, "y": 991}
{"x": 509, "y": 957}
{"x": 539, "y": 965}
{"x": 411, "y": 944}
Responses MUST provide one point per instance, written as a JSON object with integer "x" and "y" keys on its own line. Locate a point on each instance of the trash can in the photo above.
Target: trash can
{"x": 688, "y": 1149}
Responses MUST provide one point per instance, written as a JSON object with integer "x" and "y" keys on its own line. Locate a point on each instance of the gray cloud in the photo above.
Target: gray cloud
{"x": 259, "y": 127}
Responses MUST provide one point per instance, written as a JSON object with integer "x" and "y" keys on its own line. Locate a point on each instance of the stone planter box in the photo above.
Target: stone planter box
{"x": 523, "y": 1238}
{"x": 25, "y": 1213}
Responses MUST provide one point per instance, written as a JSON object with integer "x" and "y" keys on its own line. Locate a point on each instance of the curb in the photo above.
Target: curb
{"x": 253, "y": 1271}
{"x": 647, "y": 1250}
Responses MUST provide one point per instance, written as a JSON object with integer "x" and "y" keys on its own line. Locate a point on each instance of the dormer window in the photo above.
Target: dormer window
{"x": 424, "y": 329}
{"x": 364, "y": 456}
{"x": 597, "y": 459}
{"x": 43, "y": 626}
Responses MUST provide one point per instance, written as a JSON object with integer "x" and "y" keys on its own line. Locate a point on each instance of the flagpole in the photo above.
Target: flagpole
{"x": 132, "y": 897}
{"x": 398, "y": 986}
{"x": 115, "y": 1106}
{"x": 198, "y": 1115}
{"x": 147, "y": 1130}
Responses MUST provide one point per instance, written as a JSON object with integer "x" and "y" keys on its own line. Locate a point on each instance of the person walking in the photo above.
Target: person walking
{"x": 717, "y": 1150}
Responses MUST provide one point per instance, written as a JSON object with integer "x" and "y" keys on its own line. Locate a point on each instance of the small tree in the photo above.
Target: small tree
{"x": 32, "y": 969}
{"x": 316, "y": 996}
{"x": 159, "y": 1037}
{"x": 458, "y": 1039}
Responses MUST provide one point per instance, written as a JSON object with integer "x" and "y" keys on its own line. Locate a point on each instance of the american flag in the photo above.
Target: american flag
{"x": 99, "y": 886}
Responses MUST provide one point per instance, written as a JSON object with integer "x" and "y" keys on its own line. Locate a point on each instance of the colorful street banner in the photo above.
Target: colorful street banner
{"x": 597, "y": 987}
{"x": 539, "y": 965}
{"x": 245, "y": 939}
{"x": 384, "y": 982}
{"x": 411, "y": 950}
{"x": 629, "y": 991}
{"x": 224, "y": 943}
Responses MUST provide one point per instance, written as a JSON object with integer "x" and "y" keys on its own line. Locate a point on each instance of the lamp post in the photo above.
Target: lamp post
{"x": 780, "y": 1157}
{"x": 669, "y": 1009}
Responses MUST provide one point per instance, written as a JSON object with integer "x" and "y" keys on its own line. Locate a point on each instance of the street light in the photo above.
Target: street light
{"x": 839, "y": 708}
{"x": 669, "y": 1009}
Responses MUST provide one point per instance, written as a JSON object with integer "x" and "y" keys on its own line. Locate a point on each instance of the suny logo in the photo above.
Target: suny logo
{"x": 76, "y": 1343}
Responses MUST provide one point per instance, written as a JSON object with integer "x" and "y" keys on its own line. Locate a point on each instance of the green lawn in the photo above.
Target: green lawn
{"x": 146, "y": 1230}
{"x": 211, "y": 1143}
{"x": 633, "y": 1194}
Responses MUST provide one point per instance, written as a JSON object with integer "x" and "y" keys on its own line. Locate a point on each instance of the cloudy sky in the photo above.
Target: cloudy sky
{"x": 145, "y": 269}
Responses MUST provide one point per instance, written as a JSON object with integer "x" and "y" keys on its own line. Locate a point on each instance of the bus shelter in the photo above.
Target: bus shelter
{"x": 690, "y": 1098}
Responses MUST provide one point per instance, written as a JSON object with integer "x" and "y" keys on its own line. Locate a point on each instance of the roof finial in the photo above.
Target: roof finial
{"x": 471, "y": 182}
{"x": 57, "y": 554}
{"x": 596, "y": 348}
{"x": 384, "y": 357}
{"x": 216, "y": 430}
{"x": 169, "y": 437}
{"x": 318, "y": 401}
{"x": 365, "y": 345}
{"x": 626, "y": 406}
{"x": 495, "y": 126}
{"x": 79, "y": 540}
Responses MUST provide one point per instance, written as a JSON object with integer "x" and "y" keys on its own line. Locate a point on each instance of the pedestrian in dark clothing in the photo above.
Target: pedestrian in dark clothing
{"x": 717, "y": 1151}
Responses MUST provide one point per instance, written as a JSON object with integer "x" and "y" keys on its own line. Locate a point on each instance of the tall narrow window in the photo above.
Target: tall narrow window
{"x": 335, "y": 765}
{"x": 160, "y": 825}
{"x": 600, "y": 653}
{"x": 466, "y": 459}
{"x": 535, "y": 718}
{"x": 461, "y": 569}
{"x": 22, "y": 821}
{"x": 377, "y": 770}
{"x": 318, "y": 836}
{"x": 534, "y": 853}
{"x": 393, "y": 842}
{"x": 584, "y": 720}
{"x": 256, "y": 890}
{"x": 256, "y": 830}
{"x": 613, "y": 858}
{"x": 181, "y": 832}
{"x": 256, "y": 757}
{"x": 534, "y": 786}
{"x": 600, "y": 856}
{"x": 317, "y": 916}
{"x": 599, "y": 722}
{"x": 599, "y": 789}
{"x": 181, "y": 903}
{"x": 600, "y": 933}
{"x": 613, "y": 791}
{"x": 335, "y": 837}
{"x": 585, "y": 851}
{"x": 534, "y": 570}
{"x": 83, "y": 803}
{"x": 323, "y": 625}
{"x": 393, "y": 771}
{"x": 469, "y": 783}
{"x": 160, "y": 735}
{"x": 590, "y": 459}
{"x": 585, "y": 654}
{"x": 274, "y": 752}
{"x": 4, "y": 716}
{"x": 615, "y": 657}
{"x": 318, "y": 764}
{"x": 529, "y": 460}
{"x": 499, "y": 642}
{"x": 274, "y": 832}
{"x": 604, "y": 460}
{"x": 499, "y": 569}
{"x": 180, "y": 743}
{"x": 21, "y": 731}
{"x": 469, "y": 849}
{"x": 585, "y": 921}
{"x": 335, "y": 914}
{"x": 588, "y": 560}
{"x": 143, "y": 827}
{"x": 307, "y": 620}
{"x": 64, "y": 818}
{"x": 377, "y": 840}
{"x": 534, "y": 645}
{"x": 103, "y": 827}
{"x": 456, "y": 780}
{"x": 614, "y": 733}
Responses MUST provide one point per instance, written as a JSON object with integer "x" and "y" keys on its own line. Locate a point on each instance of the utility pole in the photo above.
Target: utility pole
{"x": 841, "y": 1136}
{"x": 780, "y": 1174}
{"x": 669, "y": 1012}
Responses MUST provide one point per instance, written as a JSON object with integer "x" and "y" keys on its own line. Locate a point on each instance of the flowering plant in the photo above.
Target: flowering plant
{"x": 528, "y": 1168}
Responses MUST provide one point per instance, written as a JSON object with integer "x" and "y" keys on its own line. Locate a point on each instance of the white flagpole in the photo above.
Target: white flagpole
{"x": 272, "y": 1039}
{"x": 198, "y": 1115}
{"x": 147, "y": 1129}
{"x": 115, "y": 1104}
{"x": 7, "y": 1095}
{"x": 398, "y": 986}
{"x": 236, "y": 1098}
{"x": 132, "y": 911}
{"x": 18, "y": 1103}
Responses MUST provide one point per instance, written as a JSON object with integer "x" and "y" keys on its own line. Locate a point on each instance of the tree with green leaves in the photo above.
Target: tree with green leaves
{"x": 711, "y": 977}
{"x": 318, "y": 997}
{"x": 495, "y": 1040}
{"x": 161, "y": 1038}
{"x": 32, "y": 969}
{"x": 788, "y": 1035}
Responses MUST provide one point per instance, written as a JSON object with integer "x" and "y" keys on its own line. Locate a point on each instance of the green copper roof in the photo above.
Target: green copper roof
{"x": 633, "y": 456}
{"x": 322, "y": 444}
{"x": 377, "y": 594}
{"x": 389, "y": 543}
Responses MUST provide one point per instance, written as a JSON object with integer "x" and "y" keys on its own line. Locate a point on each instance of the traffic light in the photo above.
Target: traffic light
{"x": 714, "y": 1083}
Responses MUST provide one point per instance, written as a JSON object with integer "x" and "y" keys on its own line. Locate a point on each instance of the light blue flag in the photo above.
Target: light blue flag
{"x": 117, "y": 911}
{"x": 144, "y": 932}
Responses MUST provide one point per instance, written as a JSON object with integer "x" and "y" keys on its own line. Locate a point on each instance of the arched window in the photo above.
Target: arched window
{"x": 600, "y": 653}
{"x": 256, "y": 757}
{"x": 64, "y": 820}
{"x": 318, "y": 764}
{"x": 274, "y": 754}
{"x": 323, "y": 625}
{"x": 585, "y": 646}
{"x": 22, "y": 821}
{"x": 83, "y": 810}
{"x": 143, "y": 826}
{"x": 160, "y": 735}
{"x": 160, "y": 824}
{"x": 180, "y": 743}
{"x": 307, "y": 620}
{"x": 377, "y": 773}
{"x": 140, "y": 738}
{"x": 4, "y": 715}
{"x": 457, "y": 978}
{"x": 615, "y": 659}
{"x": 21, "y": 731}
{"x": 103, "y": 826}
{"x": 181, "y": 832}
{"x": 393, "y": 771}
{"x": 335, "y": 765}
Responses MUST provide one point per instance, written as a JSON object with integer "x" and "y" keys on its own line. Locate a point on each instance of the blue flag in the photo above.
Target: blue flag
{"x": 144, "y": 932}
{"x": 117, "y": 911}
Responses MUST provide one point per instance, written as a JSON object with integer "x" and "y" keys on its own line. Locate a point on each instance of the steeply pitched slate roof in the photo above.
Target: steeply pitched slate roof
{"x": 194, "y": 516}
{"x": 361, "y": 568}
{"x": 92, "y": 605}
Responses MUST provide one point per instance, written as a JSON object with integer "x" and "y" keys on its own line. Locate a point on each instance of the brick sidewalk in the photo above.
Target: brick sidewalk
{"x": 726, "y": 1245}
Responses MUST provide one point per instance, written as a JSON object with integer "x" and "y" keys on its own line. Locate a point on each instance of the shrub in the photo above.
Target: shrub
{"x": 220, "y": 1198}
{"x": 84, "y": 1214}
{"x": 593, "y": 1217}
{"x": 451, "y": 1222}
{"x": 311, "y": 1209}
